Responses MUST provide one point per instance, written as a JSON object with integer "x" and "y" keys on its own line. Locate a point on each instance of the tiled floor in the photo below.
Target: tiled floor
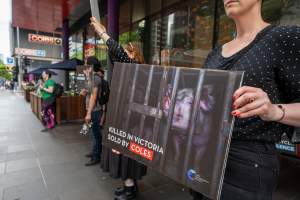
{"x": 50, "y": 166}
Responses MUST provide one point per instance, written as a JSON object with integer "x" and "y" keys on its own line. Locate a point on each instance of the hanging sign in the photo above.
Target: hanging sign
{"x": 44, "y": 39}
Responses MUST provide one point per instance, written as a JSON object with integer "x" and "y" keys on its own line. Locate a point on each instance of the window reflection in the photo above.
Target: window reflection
{"x": 187, "y": 34}
{"x": 278, "y": 12}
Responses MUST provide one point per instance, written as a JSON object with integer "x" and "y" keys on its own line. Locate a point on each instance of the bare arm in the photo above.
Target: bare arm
{"x": 92, "y": 101}
{"x": 49, "y": 90}
{"x": 292, "y": 114}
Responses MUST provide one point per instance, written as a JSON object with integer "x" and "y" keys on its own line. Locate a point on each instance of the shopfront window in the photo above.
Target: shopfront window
{"x": 89, "y": 43}
{"x": 76, "y": 42}
{"x": 278, "y": 12}
{"x": 154, "y": 41}
{"x": 187, "y": 34}
{"x": 101, "y": 52}
{"x": 282, "y": 12}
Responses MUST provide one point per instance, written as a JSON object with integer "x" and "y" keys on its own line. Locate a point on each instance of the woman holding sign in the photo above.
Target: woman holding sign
{"x": 266, "y": 106}
{"x": 120, "y": 166}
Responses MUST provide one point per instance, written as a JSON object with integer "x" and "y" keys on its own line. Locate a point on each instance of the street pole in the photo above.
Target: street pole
{"x": 113, "y": 8}
{"x": 20, "y": 75}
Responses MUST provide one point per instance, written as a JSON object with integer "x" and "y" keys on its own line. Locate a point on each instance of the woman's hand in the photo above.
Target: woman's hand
{"x": 99, "y": 28}
{"x": 251, "y": 102}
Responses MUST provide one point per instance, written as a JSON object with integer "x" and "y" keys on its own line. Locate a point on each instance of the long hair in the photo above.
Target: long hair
{"x": 135, "y": 47}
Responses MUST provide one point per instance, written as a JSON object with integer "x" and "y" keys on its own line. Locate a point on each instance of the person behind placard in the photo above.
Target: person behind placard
{"x": 266, "y": 106}
{"x": 122, "y": 167}
{"x": 46, "y": 90}
{"x": 94, "y": 109}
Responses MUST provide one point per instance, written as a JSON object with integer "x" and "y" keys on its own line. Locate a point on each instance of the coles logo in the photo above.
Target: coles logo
{"x": 44, "y": 39}
{"x": 142, "y": 151}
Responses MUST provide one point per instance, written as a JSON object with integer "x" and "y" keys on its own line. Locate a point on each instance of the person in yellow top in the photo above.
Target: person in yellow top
{"x": 48, "y": 101}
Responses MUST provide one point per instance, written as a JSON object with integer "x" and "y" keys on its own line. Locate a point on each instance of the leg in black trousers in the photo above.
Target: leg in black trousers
{"x": 251, "y": 173}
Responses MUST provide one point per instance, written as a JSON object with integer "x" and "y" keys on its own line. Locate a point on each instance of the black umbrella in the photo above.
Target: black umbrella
{"x": 66, "y": 64}
{"x": 39, "y": 71}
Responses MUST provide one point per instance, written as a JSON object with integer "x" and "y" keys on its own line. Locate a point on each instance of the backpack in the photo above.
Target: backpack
{"x": 58, "y": 90}
{"x": 103, "y": 93}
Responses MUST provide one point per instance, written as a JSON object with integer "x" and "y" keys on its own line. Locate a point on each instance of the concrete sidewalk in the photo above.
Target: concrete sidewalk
{"x": 50, "y": 166}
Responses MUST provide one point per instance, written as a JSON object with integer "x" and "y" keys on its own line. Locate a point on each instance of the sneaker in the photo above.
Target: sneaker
{"x": 92, "y": 162}
{"x": 45, "y": 130}
{"x": 89, "y": 155}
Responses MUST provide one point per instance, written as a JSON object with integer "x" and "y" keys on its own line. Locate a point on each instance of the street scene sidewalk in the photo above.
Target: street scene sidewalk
{"x": 50, "y": 166}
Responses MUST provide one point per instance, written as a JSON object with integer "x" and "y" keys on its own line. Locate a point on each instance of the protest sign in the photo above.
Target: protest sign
{"x": 174, "y": 120}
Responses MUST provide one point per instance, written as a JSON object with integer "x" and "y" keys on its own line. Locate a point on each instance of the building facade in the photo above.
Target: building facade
{"x": 174, "y": 32}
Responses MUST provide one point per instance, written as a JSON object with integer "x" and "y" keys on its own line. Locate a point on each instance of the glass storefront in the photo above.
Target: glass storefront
{"x": 76, "y": 45}
{"x": 278, "y": 12}
{"x": 176, "y": 32}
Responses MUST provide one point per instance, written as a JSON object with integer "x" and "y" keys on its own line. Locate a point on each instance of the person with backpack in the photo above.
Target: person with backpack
{"x": 95, "y": 102}
{"x": 48, "y": 101}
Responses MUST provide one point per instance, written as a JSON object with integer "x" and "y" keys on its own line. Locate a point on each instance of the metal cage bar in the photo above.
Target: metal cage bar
{"x": 192, "y": 124}
{"x": 163, "y": 84}
{"x": 146, "y": 99}
{"x": 132, "y": 95}
{"x": 170, "y": 116}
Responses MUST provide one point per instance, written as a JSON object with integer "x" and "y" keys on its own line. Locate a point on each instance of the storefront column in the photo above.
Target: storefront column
{"x": 113, "y": 10}
{"x": 66, "y": 34}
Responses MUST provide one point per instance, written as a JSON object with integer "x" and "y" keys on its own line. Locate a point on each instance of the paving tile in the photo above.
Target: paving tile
{"x": 20, "y": 177}
{"x": 21, "y": 155}
{"x": 2, "y": 168}
{"x": 18, "y": 148}
{"x": 25, "y": 191}
{"x": 18, "y": 165}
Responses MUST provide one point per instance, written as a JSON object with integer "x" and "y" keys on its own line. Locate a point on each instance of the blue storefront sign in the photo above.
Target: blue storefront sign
{"x": 10, "y": 61}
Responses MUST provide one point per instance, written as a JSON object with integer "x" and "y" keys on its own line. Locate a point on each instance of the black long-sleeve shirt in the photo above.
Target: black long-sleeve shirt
{"x": 117, "y": 53}
{"x": 271, "y": 62}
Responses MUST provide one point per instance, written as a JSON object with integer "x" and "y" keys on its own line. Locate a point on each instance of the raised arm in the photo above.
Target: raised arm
{"x": 115, "y": 50}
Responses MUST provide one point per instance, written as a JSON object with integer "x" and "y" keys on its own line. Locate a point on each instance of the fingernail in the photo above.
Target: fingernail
{"x": 236, "y": 113}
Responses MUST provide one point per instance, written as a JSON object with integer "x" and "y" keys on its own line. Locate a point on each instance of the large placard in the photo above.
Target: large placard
{"x": 174, "y": 120}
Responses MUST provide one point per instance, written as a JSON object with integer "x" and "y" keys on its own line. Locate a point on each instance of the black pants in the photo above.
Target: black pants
{"x": 251, "y": 173}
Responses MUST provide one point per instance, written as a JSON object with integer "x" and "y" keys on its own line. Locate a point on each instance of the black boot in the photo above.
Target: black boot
{"x": 196, "y": 195}
{"x": 126, "y": 193}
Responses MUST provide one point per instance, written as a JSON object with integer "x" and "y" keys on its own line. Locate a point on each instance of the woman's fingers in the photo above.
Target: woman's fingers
{"x": 245, "y": 89}
{"x": 248, "y": 107}
{"x": 260, "y": 111}
{"x": 244, "y": 99}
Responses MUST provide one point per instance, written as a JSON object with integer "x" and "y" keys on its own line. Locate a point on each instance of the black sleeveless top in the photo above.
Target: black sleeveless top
{"x": 271, "y": 62}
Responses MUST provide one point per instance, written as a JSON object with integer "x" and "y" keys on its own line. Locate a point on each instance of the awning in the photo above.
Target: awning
{"x": 65, "y": 65}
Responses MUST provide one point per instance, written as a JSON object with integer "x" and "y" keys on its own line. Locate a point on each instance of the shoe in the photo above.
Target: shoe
{"x": 45, "y": 130}
{"x": 92, "y": 162}
{"x": 126, "y": 193}
{"x": 89, "y": 155}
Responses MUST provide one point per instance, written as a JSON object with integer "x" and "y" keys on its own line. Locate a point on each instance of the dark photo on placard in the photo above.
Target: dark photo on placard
{"x": 174, "y": 120}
